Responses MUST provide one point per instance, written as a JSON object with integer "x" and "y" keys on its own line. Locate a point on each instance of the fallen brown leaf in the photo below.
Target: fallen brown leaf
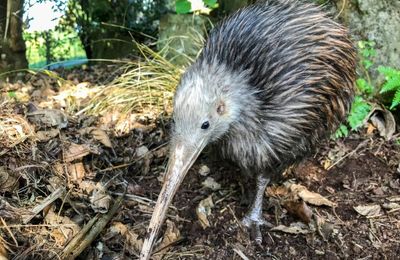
{"x": 87, "y": 186}
{"x": 75, "y": 151}
{"x": 391, "y": 206}
{"x": 203, "y": 210}
{"x": 98, "y": 134}
{"x": 291, "y": 202}
{"x": 66, "y": 228}
{"x": 14, "y": 129}
{"x": 294, "y": 228}
{"x": 171, "y": 235}
{"x": 12, "y": 213}
{"x": 44, "y": 136}
{"x": 310, "y": 197}
{"x": 100, "y": 200}
{"x": 134, "y": 243}
{"x": 124, "y": 124}
{"x": 76, "y": 171}
{"x": 368, "y": 210}
{"x": 299, "y": 208}
{"x": 8, "y": 180}
{"x": 384, "y": 121}
{"x": 48, "y": 118}
{"x": 277, "y": 191}
{"x": 293, "y": 198}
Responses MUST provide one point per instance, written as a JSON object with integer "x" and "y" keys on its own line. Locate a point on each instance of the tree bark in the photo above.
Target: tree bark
{"x": 84, "y": 22}
{"x": 47, "y": 40}
{"x": 12, "y": 44}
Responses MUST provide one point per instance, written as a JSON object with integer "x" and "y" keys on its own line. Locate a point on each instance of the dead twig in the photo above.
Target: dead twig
{"x": 138, "y": 199}
{"x": 361, "y": 145}
{"x": 112, "y": 168}
{"x": 46, "y": 202}
{"x": 341, "y": 9}
{"x": 89, "y": 232}
{"x": 9, "y": 231}
{"x": 240, "y": 253}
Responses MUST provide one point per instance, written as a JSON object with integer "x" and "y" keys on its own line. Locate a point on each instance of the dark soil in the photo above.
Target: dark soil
{"x": 370, "y": 176}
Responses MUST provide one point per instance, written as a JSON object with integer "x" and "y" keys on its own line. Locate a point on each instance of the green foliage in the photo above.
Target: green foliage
{"x": 367, "y": 51}
{"x": 342, "y": 131}
{"x": 359, "y": 111}
{"x": 364, "y": 86}
{"x": 11, "y": 94}
{"x": 365, "y": 90}
{"x": 106, "y": 28}
{"x": 196, "y": 6}
{"x": 211, "y": 3}
{"x": 392, "y": 84}
{"x": 183, "y": 6}
{"x": 50, "y": 46}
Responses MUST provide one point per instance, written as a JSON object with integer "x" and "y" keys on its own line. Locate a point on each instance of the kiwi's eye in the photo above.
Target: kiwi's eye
{"x": 205, "y": 125}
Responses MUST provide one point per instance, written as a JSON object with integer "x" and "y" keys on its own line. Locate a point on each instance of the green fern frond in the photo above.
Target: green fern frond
{"x": 389, "y": 72}
{"x": 396, "y": 99}
{"x": 359, "y": 111}
{"x": 391, "y": 84}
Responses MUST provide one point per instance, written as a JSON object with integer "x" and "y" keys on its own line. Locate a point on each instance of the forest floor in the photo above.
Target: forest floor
{"x": 63, "y": 175}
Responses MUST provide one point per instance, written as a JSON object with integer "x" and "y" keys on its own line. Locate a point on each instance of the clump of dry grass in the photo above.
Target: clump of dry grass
{"x": 148, "y": 83}
{"x": 14, "y": 129}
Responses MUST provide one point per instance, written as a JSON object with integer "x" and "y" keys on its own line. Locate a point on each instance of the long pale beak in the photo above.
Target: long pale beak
{"x": 181, "y": 159}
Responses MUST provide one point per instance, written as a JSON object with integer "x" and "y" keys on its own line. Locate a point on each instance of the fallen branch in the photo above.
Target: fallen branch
{"x": 89, "y": 232}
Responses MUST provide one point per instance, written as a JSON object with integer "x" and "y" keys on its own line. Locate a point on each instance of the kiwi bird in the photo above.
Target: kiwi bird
{"x": 272, "y": 81}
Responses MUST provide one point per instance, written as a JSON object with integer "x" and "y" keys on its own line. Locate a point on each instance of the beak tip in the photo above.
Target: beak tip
{"x": 180, "y": 162}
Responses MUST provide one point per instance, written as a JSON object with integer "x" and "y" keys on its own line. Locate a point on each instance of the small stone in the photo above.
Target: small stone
{"x": 204, "y": 170}
{"x": 319, "y": 252}
{"x": 211, "y": 184}
{"x": 141, "y": 151}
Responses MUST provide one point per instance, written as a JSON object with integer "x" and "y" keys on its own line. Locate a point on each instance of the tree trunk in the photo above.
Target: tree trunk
{"x": 86, "y": 42}
{"x": 12, "y": 45}
{"x": 85, "y": 33}
{"x": 47, "y": 40}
